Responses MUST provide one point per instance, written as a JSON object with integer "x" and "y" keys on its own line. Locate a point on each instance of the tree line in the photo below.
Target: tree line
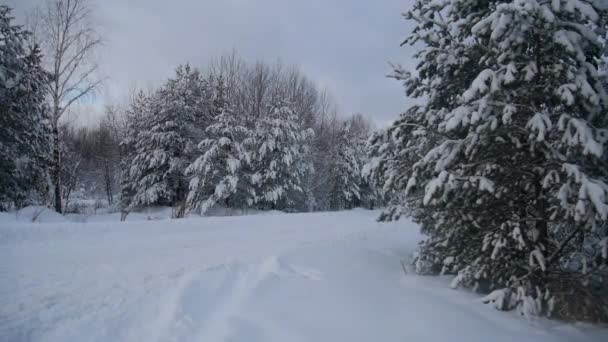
{"x": 234, "y": 134}
{"x": 242, "y": 136}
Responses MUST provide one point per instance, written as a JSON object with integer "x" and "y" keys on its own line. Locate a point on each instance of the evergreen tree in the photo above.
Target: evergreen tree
{"x": 505, "y": 165}
{"x": 165, "y": 140}
{"x": 280, "y": 163}
{"x": 184, "y": 101}
{"x": 360, "y": 132}
{"x": 217, "y": 172}
{"x": 156, "y": 159}
{"x": 135, "y": 119}
{"x": 346, "y": 192}
{"x": 24, "y": 142}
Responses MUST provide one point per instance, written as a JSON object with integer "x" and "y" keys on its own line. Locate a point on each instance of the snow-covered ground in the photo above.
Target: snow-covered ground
{"x": 270, "y": 277}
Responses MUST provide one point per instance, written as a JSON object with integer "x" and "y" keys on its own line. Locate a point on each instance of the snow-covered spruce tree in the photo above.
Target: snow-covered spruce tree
{"x": 217, "y": 175}
{"x": 134, "y": 122}
{"x": 186, "y": 102}
{"x": 279, "y": 159}
{"x": 156, "y": 162}
{"x": 346, "y": 171}
{"x": 165, "y": 141}
{"x": 360, "y": 129}
{"x": 505, "y": 165}
{"x": 24, "y": 142}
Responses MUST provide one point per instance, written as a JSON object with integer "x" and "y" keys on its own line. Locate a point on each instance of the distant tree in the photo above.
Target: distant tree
{"x": 90, "y": 161}
{"x": 164, "y": 143}
{"x": 157, "y": 162}
{"x": 280, "y": 159}
{"x": 346, "y": 192}
{"x": 24, "y": 141}
{"x": 217, "y": 174}
{"x": 75, "y": 149}
{"x": 135, "y": 121}
{"x": 320, "y": 184}
{"x": 108, "y": 153}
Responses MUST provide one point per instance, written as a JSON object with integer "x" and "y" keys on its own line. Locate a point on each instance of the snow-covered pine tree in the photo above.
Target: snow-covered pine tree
{"x": 164, "y": 144}
{"x": 185, "y": 102}
{"x": 25, "y": 140}
{"x": 156, "y": 161}
{"x": 505, "y": 165}
{"x": 134, "y": 122}
{"x": 279, "y": 158}
{"x": 346, "y": 172}
{"x": 361, "y": 128}
{"x": 218, "y": 174}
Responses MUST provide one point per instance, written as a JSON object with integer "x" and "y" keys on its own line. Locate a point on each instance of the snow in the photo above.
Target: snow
{"x": 35, "y": 214}
{"x": 281, "y": 277}
{"x": 578, "y": 132}
{"x": 541, "y": 123}
{"x": 537, "y": 258}
{"x": 433, "y": 186}
{"x": 459, "y": 116}
{"x": 499, "y": 299}
{"x": 479, "y": 85}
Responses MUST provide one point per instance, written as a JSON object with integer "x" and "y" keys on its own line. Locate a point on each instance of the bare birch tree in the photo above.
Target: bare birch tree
{"x": 66, "y": 31}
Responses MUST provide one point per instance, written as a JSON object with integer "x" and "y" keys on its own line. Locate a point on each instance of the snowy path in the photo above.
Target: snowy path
{"x": 298, "y": 277}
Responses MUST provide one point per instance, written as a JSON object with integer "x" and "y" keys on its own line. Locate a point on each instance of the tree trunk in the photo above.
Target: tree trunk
{"x": 179, "y": 204}
{"x": 541, "y": 209}
{"x": 69, "y": 184}
{"x": 57, "y": 168}
{"x": 68, "y": 192}
{"x": 108, "y": 181}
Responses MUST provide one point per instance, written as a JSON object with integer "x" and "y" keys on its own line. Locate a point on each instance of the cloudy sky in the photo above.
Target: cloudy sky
{"x": 344, "y": 45}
